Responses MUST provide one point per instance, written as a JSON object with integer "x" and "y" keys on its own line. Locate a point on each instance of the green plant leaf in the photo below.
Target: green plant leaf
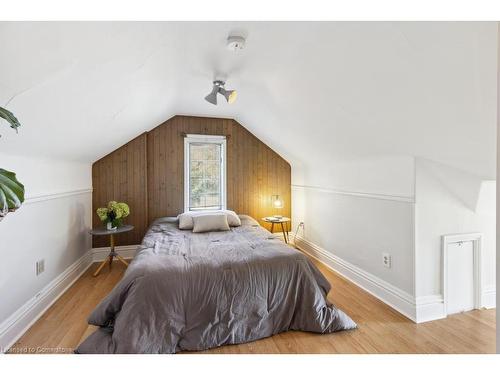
{"x": 11, "y": 192}
{"x": 10, "y": 118}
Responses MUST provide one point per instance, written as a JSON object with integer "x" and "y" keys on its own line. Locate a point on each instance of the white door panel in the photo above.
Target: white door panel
{"x": 460, "y": 277}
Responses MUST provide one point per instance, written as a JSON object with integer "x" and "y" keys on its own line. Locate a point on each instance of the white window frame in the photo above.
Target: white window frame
{"x": 200, "y": 138}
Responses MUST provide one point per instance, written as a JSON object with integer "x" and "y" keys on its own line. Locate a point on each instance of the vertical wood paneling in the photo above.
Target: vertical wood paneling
{"x": 122, "y": 176}
{"x": 148, "y": 173}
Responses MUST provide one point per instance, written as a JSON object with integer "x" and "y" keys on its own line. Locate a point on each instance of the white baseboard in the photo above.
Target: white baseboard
{"x": 387, "y": 293}
{"x": 21, "y": 320}
{"x": 489, "y": 297}
{"x": 421, "y": 309}
{"x": 127, "y": 252}
{"x": 430, "y": 308}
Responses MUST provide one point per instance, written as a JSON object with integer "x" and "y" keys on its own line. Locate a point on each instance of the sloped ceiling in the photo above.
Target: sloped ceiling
{"x": 312, "y": 91}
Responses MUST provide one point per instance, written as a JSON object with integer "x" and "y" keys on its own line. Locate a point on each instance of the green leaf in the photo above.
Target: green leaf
{"x": 10, "y": 118}
{"x": 11, "y": 192}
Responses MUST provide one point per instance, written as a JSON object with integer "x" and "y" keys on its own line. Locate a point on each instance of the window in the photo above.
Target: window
{"x": 204, "y": 172}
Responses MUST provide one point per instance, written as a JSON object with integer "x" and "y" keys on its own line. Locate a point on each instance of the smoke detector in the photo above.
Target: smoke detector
{"x": 235, "y": 43}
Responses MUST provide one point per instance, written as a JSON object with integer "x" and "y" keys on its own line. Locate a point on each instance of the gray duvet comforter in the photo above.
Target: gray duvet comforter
{"x": 187, "y": 291}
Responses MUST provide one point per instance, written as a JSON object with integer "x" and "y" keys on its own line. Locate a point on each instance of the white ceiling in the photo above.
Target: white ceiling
{"x": 312, "y": 91}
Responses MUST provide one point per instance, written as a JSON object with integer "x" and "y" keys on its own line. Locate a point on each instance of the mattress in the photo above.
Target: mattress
{"x": 194, "y": 291}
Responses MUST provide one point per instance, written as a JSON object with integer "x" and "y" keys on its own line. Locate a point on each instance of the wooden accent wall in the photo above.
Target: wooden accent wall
{"x": 148, "y": 173}
{"x": 122, "y": 176}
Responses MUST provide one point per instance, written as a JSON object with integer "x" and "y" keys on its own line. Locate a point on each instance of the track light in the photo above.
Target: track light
{"x": 218, "y": 88}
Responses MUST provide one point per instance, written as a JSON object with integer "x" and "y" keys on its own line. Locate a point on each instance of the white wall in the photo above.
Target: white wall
{"x": 358, "y": 230}
{"x": 42, "y": 176}
{"x": 498, "y": 189}
{"x": 440, "y": 210}
{"x": 387, "y": 175}
{"x": 358, "y": 209}
{"x": 52, "y": 224}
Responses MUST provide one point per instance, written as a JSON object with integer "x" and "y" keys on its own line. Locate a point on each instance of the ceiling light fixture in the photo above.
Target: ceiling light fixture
{"x": 218, "y": 88}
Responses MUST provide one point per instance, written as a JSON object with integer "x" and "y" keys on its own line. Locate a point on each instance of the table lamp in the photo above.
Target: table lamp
{"x": 277, "y": 203}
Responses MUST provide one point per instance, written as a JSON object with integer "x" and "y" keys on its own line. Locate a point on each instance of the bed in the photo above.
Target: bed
{"x": 194, "y": 291}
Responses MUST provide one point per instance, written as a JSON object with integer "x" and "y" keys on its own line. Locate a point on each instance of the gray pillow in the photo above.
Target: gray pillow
{"x": 210, "y": 223}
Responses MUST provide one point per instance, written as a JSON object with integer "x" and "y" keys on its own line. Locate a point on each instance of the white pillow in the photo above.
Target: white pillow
{"x": 186, "y": 219}
{"x": 210, "y": 223}
{"x": 232, "y": 219}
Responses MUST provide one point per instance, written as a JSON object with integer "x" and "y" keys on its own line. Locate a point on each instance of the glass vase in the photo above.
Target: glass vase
{"x": 110, "y": 225}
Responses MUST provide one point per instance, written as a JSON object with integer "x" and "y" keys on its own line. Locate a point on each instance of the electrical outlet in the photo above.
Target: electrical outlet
{"x": 40, "y": 266}
{"x": 386, "y": 260}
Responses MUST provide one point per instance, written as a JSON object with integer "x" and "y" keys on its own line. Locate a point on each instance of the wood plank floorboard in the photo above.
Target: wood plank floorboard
{"x": 381, "y": 329}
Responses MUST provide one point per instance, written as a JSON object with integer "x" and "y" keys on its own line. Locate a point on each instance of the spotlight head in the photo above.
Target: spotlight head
{"x": 212, "y": 97}
{"x": 230, "y": 95}
{"x": 218, "y": 87}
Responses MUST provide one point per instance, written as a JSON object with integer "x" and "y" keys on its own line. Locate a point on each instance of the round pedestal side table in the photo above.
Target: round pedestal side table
{"x": 282, "y": 221}
{"x": 112, "y": 253}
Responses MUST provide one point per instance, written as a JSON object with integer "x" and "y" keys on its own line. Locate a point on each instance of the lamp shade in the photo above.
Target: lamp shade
{"x": 277, "y": 201}
{"x": 230, "y": 95}
{"x": 212, "y": 97}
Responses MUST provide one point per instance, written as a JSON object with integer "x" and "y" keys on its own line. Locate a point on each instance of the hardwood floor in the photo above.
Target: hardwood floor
{"x": 380, "y": 328}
